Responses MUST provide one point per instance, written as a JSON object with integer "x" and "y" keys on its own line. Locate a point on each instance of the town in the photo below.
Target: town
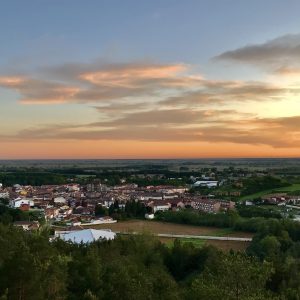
{"x": 94, "y": 201}
{"x": 75, "y": 204}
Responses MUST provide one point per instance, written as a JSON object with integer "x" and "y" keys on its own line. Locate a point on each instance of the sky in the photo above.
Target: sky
{"x": 149, "y": 79}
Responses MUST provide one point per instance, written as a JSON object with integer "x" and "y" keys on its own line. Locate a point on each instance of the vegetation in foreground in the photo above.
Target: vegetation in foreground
{"x": 136, "y": 267}
{"x": 141, "y": 267}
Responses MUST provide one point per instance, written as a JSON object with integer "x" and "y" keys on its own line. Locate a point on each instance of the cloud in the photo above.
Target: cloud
{"x": 35, "y": 91}
{"x": 282, "y": 52}
{"x": 83, "y": 83}
{"x": 121, "y": 107}
{"x": 288, "y": 71}
{"x": 177, "y": 125}
{"x": 216, "y": 93}
{"x": 106, "y": 84}
{"x": 155, "y": 102}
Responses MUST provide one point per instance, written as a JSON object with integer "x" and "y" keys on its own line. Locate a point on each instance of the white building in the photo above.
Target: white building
{"x": 60, "y": 200}
{"x": 207, "y": 183}
{"x": 17, "y": 203}
{"x": 85, "y": 236}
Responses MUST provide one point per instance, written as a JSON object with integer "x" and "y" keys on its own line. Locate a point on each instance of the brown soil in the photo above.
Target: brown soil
{"x": 228, "y": 245}
{"x": 161, "y": 227}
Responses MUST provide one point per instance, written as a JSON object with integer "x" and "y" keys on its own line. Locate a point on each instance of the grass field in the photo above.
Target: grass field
{"x": 292, "y": 188}
{"x": 170, "y": 241}
{"x": 155, "y": 227}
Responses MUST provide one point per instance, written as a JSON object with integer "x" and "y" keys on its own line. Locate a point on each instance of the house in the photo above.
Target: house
{"x": 65, "y": 210}
{"x": 275, "y": 198}
{"x": 4, "y": 194}
{"x": 73, "y": 187}
{"x": 176, "y": 203}
{"x": 51, "y": 213}
{"x": 60, "y": 200}
{"x": 206, "y": 183}
{"x": 167, "y": 189}
{"x": 206, "y": 205}
{"x": 85, "y": 211}
{"x": 17, "y": 203}
{"x": 159, "y": 205}
{"x": 227, "y": 205}
{"x": 145, "y": 196}
{"x": 85, "y": 236}
{"x": 169, "y": 196}
{"x": 104, "y": 220}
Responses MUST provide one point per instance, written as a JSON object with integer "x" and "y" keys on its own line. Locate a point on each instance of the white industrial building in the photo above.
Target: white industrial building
{"x": 206, "y": 183}
{"x": 85, "y": 236}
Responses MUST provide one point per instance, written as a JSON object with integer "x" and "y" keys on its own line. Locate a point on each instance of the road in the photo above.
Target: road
{"x": 200, "y": 237}
{"x": 292, "y": 206}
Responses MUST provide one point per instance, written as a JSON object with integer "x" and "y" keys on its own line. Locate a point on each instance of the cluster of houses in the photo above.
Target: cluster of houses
{"x": 281, "y": 199}
{"x": 75, "y": 204}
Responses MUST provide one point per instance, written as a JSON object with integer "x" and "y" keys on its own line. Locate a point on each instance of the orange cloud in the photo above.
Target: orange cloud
{"x": 89, "y": 83}
{"x": 206, "y": 126}
{"x": 126, "y": 76}
{"x": 55, "y": 95}
{"x": 116, "y": 82}
{"x": 8, "y": 81}
{"x": 184, "y": 111}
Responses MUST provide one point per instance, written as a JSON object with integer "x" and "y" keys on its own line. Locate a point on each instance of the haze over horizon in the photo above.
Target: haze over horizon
{"x": 149, "y": 79}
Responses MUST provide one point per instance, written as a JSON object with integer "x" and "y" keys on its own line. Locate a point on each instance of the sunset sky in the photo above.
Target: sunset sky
{"x": 149, "y": 79}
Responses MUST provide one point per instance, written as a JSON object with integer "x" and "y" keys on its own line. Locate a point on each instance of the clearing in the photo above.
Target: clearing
{"x": 156, "y": 227}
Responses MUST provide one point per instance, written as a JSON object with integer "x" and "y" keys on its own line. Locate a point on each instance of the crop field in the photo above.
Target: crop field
{"x": 155, "y": 227}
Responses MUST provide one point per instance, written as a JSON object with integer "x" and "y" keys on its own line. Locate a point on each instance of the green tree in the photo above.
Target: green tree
{"x": 235, "y": 277}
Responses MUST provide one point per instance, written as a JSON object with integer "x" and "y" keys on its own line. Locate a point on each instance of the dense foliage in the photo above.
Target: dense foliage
{"x": 141, "y": 267}
{"x": 221, "y": 220}
{"x": 258, "y": 211}
{"x": 257, "y": 184}
{"x": 132, "y": 209}
{"x": 9, "y": 215}
{"x": 32, "y": 178}
{"x": 135, "y": 267}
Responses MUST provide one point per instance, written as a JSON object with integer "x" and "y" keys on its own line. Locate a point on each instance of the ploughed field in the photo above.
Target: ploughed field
{"x": 155, "y": 227}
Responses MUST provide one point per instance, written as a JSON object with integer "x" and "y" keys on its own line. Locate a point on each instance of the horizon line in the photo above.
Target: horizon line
{"x": 156, "y": 158}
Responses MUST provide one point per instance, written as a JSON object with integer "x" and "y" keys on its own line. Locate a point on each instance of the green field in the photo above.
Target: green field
{"x": 292, "y": 188}
{"x": 196, "y": 242}
{"x": 223, "y": 232}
